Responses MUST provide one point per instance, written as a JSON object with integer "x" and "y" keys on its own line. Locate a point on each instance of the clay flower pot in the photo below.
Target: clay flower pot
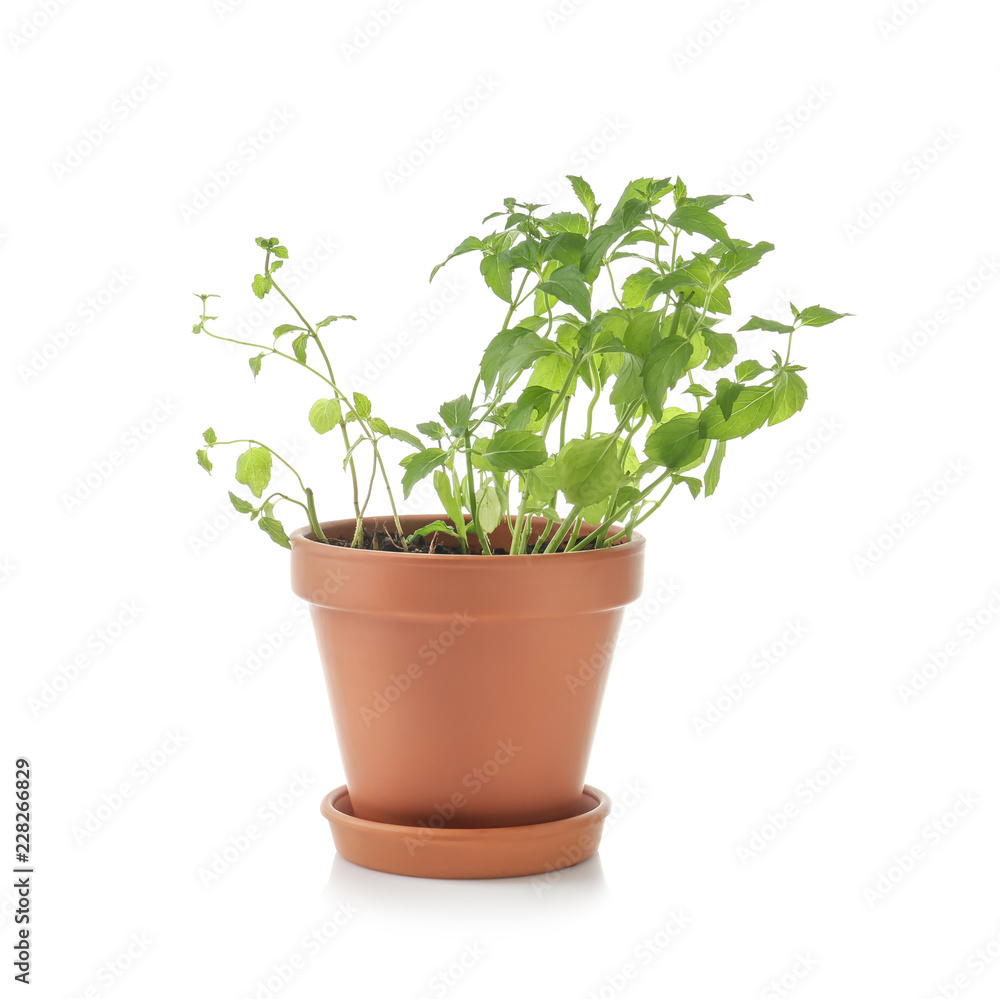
{"x": 465, "y": 689}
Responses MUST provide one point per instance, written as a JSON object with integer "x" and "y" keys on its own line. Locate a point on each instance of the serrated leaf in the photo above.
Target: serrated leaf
{"x": 712, "y": 472}
{"x": 280, "y": 331}
{"x": 261, "y": 285}
{"x": 584, "y": 192}
{"x": 597, "y": 246}
{"x": 666, "y": 362}
{"x": 488, "y": 509}
{"x": 209, "y": 436}
{"x": 418, "y": 465}
{"x": 241, "y": 505}
{"x": 273, "y": 529}
{"x": 496, "y": 268}
{"x": 693, "y": 484}
{"x": 676, "y": 442}
{"x": 721, "y": 347}
{"x": 253, "y": 469}
{"x": 442, "y": 486}
{"x": 255, "y": 364}
{"x": 299, "y": 347}
{"x": 362, "y": 405}
{"x": 404, "y": 435}
{"x": 434, "y": 527}
{"x": 468, "y": 244}
{"x": 746, "y": 370}
{"x": 325, "y": 415}
{"x": 726, "y": 392}
{"x": 816, "y": 315}
{"x": 589, "y": 470}
{"x": 204, "y": 460}
{"x": 636, "y": 286}
{"x": 434, "y": 430}
{"x": 331, "y": 319}
{"x": 699, "y": 391}
{"x": 790, "y": 395}
{"x": 756, "y": 323}
{"x": 568, "y": 284}
{"x": 751, "y": 409}
{"x": 515, "y": 450}
{"x": 455, "y": 415}
{"x": 692, "y": 218}
{"x": 379, "y": 425}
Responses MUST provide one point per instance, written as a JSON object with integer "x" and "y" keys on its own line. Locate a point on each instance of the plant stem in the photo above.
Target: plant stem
{"x": 563, "y": 529}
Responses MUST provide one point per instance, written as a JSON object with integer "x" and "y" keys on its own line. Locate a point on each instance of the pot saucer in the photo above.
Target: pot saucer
{"x": 500, "y": 852}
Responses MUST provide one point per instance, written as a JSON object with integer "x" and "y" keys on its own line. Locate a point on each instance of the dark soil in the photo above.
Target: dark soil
{"x": 431, "y": 544}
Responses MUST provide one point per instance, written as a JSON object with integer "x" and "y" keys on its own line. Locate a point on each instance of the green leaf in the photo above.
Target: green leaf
{"x": 455, "y": 415}
{"x": 790, "y": 395}
{"x": 434, "y": 527}
{"x": 488, "y": 510}
{"x": 569, "y": 286}
{"x": 699, "y": 391}
{"x": 531, "y": 403}
{"x": 666, "y": 362}
{"x": 273, "y": 529}
{"x": 816, "y": 315}
{"x": 255, "y": 365}
{"x": 325, "y": 415}
{"x": 253, "y": 469}
{"x": 419, "y": 465}
{"x": 756, "y": 323}
{"x": 379, "y": 425}
{"x": 628, "y": 386}
{"x": 442, "y": 486}
{"x": 693, "y": 484}
{"x": 597, "y": 246}
{"x": 636, "y": 286}
{"x": 552, "y": 372}
{"x": 722, "y": 349}
{"x": 565, "y": 222}
{"x": 204, "y": 460}
{"x": 735, "y": 261}
{"x": 261, "y": 285}
{"x": 751, "y": 410}
{"x": 331, "y": 319}
{"x": 642, "y": 333}
{"x": 678, "y": 280}
{"x": 299, "y": 347}
{"x": 209, "y": 436}
{"x": 496, "y": 269}
{"x": 746, "y": 370}
{"x": 693, "y": 218}
{"x": 241, "y": 505}
{"x": 362, "y": 405}
{"x": 676, "y": 442}
{"x": 471, "y": 243}
{"x": 726, "y": 392}
{"x": 404, "y": 435}
{"x": 712, "y": 472}
{"x": 280, "y": 331}
{"x": 589, "y": 469}
{"x": 515, "y": 450}
{"x": 543, "y": 482}
{"x": 584, "y": 192}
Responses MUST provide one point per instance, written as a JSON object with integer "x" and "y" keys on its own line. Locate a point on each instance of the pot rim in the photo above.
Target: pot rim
{"x": 303, "y": 535}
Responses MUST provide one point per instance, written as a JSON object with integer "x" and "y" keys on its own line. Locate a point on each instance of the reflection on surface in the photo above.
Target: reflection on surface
{"x": 573, "y": 887}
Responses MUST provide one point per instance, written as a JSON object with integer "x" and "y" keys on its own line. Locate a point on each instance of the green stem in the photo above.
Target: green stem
{"x": 563, "y": 529}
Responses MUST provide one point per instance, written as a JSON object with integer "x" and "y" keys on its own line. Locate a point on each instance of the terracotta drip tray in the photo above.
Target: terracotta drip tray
{"x": 501, "y": 852}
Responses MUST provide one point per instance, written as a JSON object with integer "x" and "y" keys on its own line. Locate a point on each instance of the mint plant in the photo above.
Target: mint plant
{"x": 604, "y": 409}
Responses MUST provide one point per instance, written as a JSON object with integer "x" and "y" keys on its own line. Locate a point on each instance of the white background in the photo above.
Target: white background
{"x": 868, "y": 140}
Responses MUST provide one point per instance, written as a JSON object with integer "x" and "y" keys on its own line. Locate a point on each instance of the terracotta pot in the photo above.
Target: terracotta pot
{"x": 465, "y": 689}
